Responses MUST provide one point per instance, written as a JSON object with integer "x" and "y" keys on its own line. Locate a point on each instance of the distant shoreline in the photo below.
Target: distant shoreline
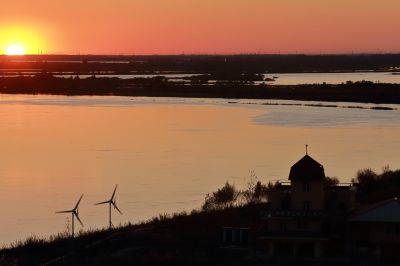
{"x": 243, "y": 63}
{"x": 211, "y": 76}
{"x": 362, "y": 92}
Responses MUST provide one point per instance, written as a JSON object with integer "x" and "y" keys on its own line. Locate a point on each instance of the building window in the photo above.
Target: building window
{"x": 393, "y": 229}
{"x": 306, "y": 186}
{"x": 306, "y": 205}
{"x": 302, "y": 224}
{"x": 285, "y": 203}
{"x": 283, "y": 226}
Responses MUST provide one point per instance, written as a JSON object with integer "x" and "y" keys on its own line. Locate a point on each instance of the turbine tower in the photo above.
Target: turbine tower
{"x": 111, "y": 202}
{"x": 75, "y": 213}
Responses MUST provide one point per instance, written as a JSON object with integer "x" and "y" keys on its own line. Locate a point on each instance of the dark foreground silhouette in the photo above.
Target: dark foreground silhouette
{"x": 192, "y": 238}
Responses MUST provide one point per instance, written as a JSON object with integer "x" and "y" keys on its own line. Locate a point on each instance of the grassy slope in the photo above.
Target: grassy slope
{"x": 178, "y": 239}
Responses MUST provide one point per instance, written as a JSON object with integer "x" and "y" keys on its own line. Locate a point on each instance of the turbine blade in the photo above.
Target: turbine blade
{"x": 103, "y": 202}
{"x": 65, "y": 211}
{"x": 79, "y": 220}
{"x": 113, "y": 194}
{"x": 79, "y": 201}
{"x": 115, "y": 207}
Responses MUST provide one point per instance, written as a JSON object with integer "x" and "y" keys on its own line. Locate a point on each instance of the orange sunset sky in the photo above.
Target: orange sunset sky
{"x": 200, "y": 26}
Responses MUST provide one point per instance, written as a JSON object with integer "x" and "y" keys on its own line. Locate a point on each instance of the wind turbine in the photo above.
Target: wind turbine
{"x": 75, "y": 213}
{"x": 113, "y": 202}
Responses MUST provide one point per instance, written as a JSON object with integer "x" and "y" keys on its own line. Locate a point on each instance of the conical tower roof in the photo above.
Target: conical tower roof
{"x": 306, "y": 169}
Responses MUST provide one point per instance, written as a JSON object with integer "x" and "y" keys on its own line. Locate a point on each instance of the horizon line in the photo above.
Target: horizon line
{"x": 210, "y": 54}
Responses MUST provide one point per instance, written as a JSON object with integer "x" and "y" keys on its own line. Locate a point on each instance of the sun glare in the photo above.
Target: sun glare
{"x": 15, "y": 49}
{"x": 22, "y": 40}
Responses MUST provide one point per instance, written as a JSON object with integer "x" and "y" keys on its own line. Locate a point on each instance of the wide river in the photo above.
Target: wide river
{"x": 166, "y": 154}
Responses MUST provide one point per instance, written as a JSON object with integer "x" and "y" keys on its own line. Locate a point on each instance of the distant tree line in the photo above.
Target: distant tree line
{"x": 248, "y": 63}
{"x": 374, "y": 187}
{"x": 160, "y": 86}
{"x": 229, "y": 196}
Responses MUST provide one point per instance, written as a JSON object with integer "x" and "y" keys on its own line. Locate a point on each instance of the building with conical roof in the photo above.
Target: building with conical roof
{"x": 306, "y": 212}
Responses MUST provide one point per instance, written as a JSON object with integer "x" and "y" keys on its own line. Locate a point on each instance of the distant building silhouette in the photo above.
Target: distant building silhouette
{"x": 375, "y": 229}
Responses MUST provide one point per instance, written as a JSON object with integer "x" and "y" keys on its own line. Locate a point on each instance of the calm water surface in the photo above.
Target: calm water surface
{"x": 332, "y": 78}
{"x": 165, "y": 154}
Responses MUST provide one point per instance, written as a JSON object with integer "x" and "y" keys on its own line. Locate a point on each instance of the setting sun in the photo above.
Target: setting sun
{"x": 20, "y": 40}
{"x": 15, "y": 49}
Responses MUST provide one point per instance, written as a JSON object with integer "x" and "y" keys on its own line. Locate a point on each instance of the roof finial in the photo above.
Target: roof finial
{"x": 306, "y": 149}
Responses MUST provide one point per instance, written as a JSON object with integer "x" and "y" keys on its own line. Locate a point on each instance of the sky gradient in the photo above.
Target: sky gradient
{"x": 201, "y": 26}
